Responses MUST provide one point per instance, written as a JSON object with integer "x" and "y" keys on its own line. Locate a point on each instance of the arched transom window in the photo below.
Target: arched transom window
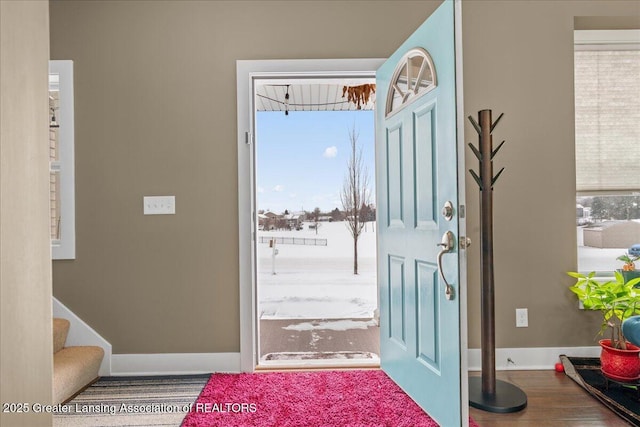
{"x": 414, "y": 76}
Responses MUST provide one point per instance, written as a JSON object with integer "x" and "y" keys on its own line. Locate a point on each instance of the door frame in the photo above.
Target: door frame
{"x": 247, "y": 73}
{"x": 462, "y": 217}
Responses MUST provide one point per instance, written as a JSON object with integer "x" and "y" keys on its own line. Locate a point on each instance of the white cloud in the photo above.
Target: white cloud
{"x": 293, "y": 195}
{"x": 330, "y": 152}
{"x": 260, "y": 190}
{"x": 279, "y": 188}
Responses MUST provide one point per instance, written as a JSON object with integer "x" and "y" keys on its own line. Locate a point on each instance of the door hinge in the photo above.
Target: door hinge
{"x": 248, "y": 138}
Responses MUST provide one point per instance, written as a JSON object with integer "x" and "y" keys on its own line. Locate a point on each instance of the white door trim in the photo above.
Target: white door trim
{"x": 462, "y": 213}
{"x": 247, "y": 71}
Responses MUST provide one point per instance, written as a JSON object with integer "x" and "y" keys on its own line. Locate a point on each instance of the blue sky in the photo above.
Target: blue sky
{"x": 302, "y": 158}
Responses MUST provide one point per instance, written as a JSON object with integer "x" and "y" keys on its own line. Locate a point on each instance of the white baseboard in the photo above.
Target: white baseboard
{"x": 174, "y": 364}
{"x": 82, "y": 334}
{"x": 534, "y": 358}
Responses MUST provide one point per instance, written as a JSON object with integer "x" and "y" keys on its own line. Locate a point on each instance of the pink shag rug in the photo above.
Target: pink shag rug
{"x": 355, "y": 398}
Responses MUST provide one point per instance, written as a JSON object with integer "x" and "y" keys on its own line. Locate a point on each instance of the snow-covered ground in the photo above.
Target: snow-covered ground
{"x": 332, "y": 325}
{"x": 317, "y": 282}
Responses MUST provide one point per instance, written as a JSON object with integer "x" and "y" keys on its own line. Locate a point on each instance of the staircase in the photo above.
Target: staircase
{"x": 74, "y": 368}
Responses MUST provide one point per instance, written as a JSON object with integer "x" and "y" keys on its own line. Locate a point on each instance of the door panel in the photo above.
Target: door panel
{"x": 397, "y": 292}
{"x": 425, "y": 179}
{"x": 417, "y": 172}
{"x": 428, "y": 297}
{"x": 394, "y": 163}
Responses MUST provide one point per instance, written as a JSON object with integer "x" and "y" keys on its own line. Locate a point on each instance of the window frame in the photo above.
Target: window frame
{"x": 65, "y": 247}
{"x": 604, "y": 40}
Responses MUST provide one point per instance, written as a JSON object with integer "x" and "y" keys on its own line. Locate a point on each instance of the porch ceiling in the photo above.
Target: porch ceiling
{"x": 309, "y": 95}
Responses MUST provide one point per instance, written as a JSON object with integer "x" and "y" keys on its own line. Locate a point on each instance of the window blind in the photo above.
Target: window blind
{"x": 607, "y": 121}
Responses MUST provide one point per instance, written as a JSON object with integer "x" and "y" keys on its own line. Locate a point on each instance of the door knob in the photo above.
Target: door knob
{"x": 447, "y": 243}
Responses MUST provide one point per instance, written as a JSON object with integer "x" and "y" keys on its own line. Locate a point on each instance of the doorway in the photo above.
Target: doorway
{"x": 251, "y": 75}
{"x": 316, "y": 242}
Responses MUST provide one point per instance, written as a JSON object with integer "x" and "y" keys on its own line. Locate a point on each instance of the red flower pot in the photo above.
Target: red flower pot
{"x": 619, "y": 364}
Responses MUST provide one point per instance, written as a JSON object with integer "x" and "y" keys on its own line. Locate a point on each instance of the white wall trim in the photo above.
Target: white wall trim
{"x": 606, "y": 36}
{"x": 529, "y": 359}
{"x": 462, "y": 221}
{"x": 606, "y": 39}
{"x": 535, "y": 358}
{"x": 174, "y": 363}
{"x": 82, "y": 334}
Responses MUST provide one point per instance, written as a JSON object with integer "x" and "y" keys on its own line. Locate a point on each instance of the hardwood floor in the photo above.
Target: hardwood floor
{"x": 553, "y": 400}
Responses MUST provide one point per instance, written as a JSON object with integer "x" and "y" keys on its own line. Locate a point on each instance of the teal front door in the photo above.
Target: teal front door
{"x": 419, "y": 222}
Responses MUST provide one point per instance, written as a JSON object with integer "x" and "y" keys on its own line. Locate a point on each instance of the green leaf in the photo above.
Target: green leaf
{"x": 576, "y": 275}
{"x": 634, "y": 282}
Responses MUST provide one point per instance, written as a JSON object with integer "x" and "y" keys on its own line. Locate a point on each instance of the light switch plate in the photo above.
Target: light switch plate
{"x": 159, "y": 205}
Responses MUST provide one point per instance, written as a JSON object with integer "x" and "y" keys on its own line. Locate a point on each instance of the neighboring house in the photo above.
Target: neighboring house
{"x": 268, "y": 221}
{"x": 583, "y": 215}
{"x": 263, "y": 222}
{"x": 293, "y": 221}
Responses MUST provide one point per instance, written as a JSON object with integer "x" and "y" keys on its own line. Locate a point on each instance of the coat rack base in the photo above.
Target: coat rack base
{"x": 507, "y": 398}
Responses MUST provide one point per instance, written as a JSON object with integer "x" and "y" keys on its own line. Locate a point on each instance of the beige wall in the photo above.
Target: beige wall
{"x": 155, "y": 114}
{"x": 26, "y": 348}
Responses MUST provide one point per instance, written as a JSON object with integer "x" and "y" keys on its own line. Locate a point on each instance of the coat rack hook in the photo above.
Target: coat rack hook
{"x": 493, "y": 153}
{"x": 475, "y": 125}
{"x": 496, "y": 122}
{"x": 495, "y": 178}
{"x": 477, "y": 178}
{"x": 476, "y": 151}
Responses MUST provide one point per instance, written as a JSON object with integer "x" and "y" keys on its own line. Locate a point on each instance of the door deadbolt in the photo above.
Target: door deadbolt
{"x": 447, "y": 210}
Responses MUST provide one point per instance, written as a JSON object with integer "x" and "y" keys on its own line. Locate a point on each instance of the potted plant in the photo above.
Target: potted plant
{"x": 617, "y": 300}
{"x": 629, "y": 268}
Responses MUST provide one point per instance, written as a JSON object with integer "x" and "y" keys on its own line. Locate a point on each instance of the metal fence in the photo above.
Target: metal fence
{"x": 308, "y": 241}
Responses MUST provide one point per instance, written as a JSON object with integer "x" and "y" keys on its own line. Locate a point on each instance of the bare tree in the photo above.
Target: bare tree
{"x": 316, "y": 218}
{"x": 355, "y": 193}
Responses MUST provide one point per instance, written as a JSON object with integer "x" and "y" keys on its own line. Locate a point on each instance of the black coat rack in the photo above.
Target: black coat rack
{"x": 485, "y": 392}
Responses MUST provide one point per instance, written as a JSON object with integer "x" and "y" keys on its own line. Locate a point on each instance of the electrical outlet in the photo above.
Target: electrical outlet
{"x": 522, "y": 318}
